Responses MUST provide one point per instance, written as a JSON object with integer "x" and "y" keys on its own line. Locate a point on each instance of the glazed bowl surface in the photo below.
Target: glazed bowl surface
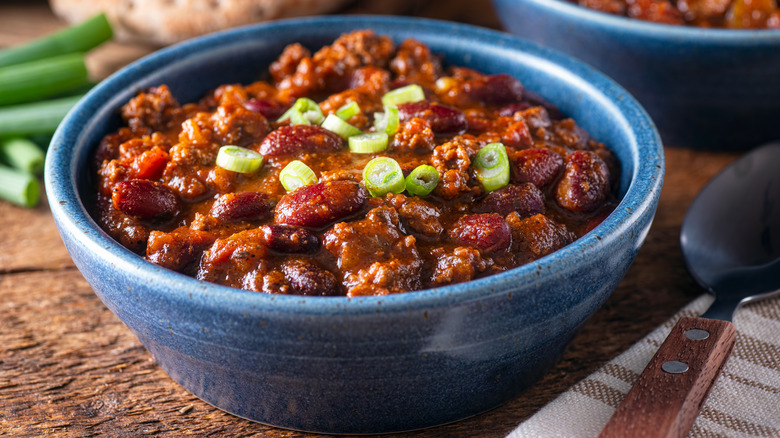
{"x": 705, "y": 88}
{"x": 371, "y": 364}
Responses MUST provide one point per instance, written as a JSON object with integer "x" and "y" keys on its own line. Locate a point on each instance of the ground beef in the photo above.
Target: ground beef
{"x": 160, "y": 193}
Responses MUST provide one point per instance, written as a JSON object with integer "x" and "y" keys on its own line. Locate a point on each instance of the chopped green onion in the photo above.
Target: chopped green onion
{"x": 348, "y": 110}
{"x": 22, "y": 154}
{"x": 343, "y": 129}
{"x": 35, "y": 118}
{"x": 368, "y": 143}
{"x": 239, "y": 159}
{"x": 303, "y": 112}
{"x": 409, "y": 93}
{"x": 42, "y": 78}
{"x": 422, "y": 180}
{"x": 491, "y": 165}
{"x": 78, "y": 38}
{"x": 18, "y": 187}
{"x": 296, "y": 174}
{"x": 383, "y": 175}
{"x": 387, "y": 121}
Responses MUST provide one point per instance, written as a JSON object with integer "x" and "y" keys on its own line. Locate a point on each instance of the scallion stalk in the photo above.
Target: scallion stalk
{"x": 22, "y": 154}
{"x": 42, "y": 78}
{"x": 19, "y": 187}
{"x": 78, "y": 38}
{"x": 35, "y": 118}
{"x": 42, "y": 140}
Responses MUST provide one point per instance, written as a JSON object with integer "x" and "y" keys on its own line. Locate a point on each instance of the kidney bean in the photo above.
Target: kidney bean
{"x": 488, "y": 232}
{"x": 320, "y": 204}
{"x": 585, "y": 182}
{"x": 289, "y": 239}
{"x": 524, "y": 198}
{"x": 245, "y": 206}
{"x": 500, "y": 89}
{"x": 539, "y": 167}
{"x": 148, "y": 200}
{"x": 271, "y": 109}
{"x": 294, "y": 139}
{"x": 309, "y": 279}
{"x": 443, "y": 119}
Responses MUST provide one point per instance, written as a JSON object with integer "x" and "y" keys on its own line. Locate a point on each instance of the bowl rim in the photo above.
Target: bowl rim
{"x": 660, "y": 31}
{"x": 647, "y": 166}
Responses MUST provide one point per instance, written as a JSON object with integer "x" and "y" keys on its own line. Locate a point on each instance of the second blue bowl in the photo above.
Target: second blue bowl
{"x": 704, "y": 88}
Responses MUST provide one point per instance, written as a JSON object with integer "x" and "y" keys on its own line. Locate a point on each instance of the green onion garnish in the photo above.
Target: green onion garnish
{"x": 491, "y": 165}
{"x": 42, "y": 78}
{"x": 18, "y": 187}
{"x": 422, "y": 180}
{"x": 387, "y": 121}
{"x": 303, "y": 112}
{"x": 35, "y": 118}
{"x": 238, "y": 159}
{"x": 296, "y": 174}
{"x": 368, "y": 143}
{"x": 22, "y": 154}
{"x": 343, "y": 129}
{"x": 409, "y": 93}
{"x": 78, "y": 38}
{"x": 383, "y": 175}
{"x": 348, "y": 110}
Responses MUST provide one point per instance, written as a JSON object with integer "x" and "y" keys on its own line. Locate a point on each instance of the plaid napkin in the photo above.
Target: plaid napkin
{"x": 745, "y": 401}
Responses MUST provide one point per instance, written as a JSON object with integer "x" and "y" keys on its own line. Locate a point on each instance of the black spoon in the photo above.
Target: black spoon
{"x": 731, "y": 244}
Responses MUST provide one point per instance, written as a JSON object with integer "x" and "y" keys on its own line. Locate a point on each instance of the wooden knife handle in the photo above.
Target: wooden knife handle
{"x": 665, "y": 401}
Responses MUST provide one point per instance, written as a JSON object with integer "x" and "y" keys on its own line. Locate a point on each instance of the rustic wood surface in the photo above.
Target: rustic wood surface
{"x": 68, "y": 367}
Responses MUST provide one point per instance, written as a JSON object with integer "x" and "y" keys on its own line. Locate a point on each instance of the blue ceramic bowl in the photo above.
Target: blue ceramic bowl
{"x": 704, "y": 88}
{"x": 372, "y": 364}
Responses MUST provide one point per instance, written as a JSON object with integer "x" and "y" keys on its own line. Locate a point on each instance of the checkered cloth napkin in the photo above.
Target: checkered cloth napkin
{"x": 745, "y": 401}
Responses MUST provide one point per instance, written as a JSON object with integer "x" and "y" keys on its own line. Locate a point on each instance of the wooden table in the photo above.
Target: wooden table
{"x": 69, "y": 367}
